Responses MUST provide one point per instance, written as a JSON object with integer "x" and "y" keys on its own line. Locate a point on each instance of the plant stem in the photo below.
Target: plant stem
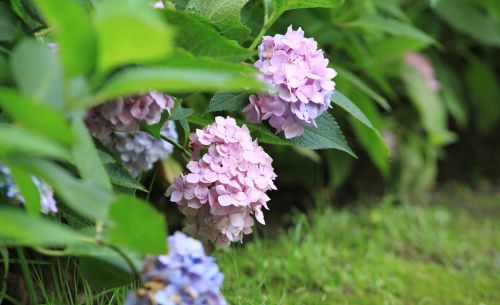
{"x": 179, "y": 146}
{"x": 268, "y": 22}
{"x": 129, "y": 262}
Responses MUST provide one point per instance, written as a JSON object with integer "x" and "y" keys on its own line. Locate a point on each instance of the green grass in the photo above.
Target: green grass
{"x": 382, "y": 255}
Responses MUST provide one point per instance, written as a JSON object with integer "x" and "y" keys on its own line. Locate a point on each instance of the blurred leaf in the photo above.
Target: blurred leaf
{"x": 393, "y": 27}
{"x": 7, "y": 23}
{"x": 202, "y": 40}
{"x": 74, "y": 34}
{"x": 171, "y": 169}
{"x": 469, "y": 19}
{"x": 395, "y": 46}
{"x": 339, "y": 167}
{"x": 228, "y": 101}
{"x": 37, "y": 72}
{"x": 175, "y": 80}
{"x": 281, "y": 6}
{"x": 27, "y": 188}
{"x": 130, "y": 32}
{"x": 429, "y": 106}
{"x": 451, "y": 93}
{"x": 15, "y": 140}
{"x": 84, "y": 197}
{"x": 35, "y": 116}
{"x": 4, "y": 69}
{"x": 105, "y": 272}
{"x": 326, "y": 136}
{"x": 85, "y": 155}
{"x": 20, "y": 229}
{"x": 343, "y": 102}
{"x": 224, "y": 14}
{"x": 137, "y": 226}
{"x": 361, "y": 85}
{"x": 484, "y": 92}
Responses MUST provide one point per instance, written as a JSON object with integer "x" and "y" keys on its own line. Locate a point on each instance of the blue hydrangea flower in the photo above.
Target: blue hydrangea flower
{"x": 139, "y": 150}
{"x": 10, "y": 189}
{"x": 186, "y": 276}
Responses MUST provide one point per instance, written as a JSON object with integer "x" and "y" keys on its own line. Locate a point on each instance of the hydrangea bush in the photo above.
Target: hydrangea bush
{"x": 106, "y": 106}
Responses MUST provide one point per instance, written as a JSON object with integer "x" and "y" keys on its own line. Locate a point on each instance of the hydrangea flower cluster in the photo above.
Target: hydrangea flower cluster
{"x": 226, "y": 185}
{"x": 186, "y": 276}
{"x": 420, "y": 63}
{"x": 139, "y": 150}
{"x": 300, "y": 79}
{"x": 10, "y": 189}
{"x": 125, "y": 114}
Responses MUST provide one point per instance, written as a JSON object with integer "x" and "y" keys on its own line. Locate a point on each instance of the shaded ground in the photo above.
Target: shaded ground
{"x": 444, "y": 253}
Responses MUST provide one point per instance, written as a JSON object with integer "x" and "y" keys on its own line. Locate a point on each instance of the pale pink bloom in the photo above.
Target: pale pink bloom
{"x": 422, "y": 64}
{"x": 300, "y": 79}
{"x": 225, "y": 183}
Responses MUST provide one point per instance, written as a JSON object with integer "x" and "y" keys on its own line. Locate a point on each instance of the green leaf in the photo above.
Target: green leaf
{"x": 469, "y": 19}
{"x": 341, "y": 100}
{"x": 285, "y": 5}
{"x": 228, "y": 101}
{"x": 326, "y": 136}
{"x": 27, "y": 188}
{"x": 137, "y": 226}
{"x": 361, "y": 85}
{"x": 20, "y": 229}
{"x": 484, "y": 93}
{"x": 84, "y": 197}
{"x": 107, "y": 272}
{"x": 393, "y": 27}
{"x": 202, "y": 40}
{"x": 35, "y": 116}
{"x": 8, "y": 28}
{"x": 15, "y": 140}
{"x": 263, "y": 134}
{"x": 121, "y": 177}
{"x": 181, "y": 114}
{"x": 224, "y": 14}
{"x": 85, "y": 155}
{"x": 74, "y": 34}
{"x": 175, "y": 80}
{"x": 37, "y": 72}
{"x": 130, "y": 32}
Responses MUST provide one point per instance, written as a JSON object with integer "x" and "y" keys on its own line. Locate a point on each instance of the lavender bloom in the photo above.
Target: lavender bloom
{"x": 9, "y": 187}
{"x": 125, "y": 114}
{"x": 186, "y": 276}
{"x": 301, "y": 83}
{"x": 139, "y": 150}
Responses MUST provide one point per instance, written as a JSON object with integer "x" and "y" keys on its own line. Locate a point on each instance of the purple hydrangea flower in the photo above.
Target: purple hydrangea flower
{"x": 125, "y": 114}
{"x": 225, "y": 186}
{"x": 10, "y": 189}
{"x": 186, "y": 276}
{"x": 139, "y": 150}
{"x": 423, "y": 65}
{"x": 300, "y": 79}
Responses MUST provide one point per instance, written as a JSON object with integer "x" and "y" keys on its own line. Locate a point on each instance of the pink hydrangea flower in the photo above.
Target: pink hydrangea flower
{"x": 125, "y": 114}
{"x": 422, "y": 64}
{"x": 300, "y": 79}
{"x": 226, "y": 182}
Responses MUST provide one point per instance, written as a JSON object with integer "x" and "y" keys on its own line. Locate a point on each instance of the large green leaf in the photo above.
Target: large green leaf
{"x": 136, "y": 225}
{"x": 130, "y": 32}
{"x": 106, "y": 271}
{"x": 326, "y": 136}
{"x": 224, "y": 14}
{"x": 84, "y": 197}
{"x": 37, "y": 72}
{"x": 228, "y": 101}
{"x": 85, "y": 155}
{"x": 201, "y": 39}
{"x": 467, "y": 18}
{"x": 74, "y": 34}
{"x": 35, "y": 116}
{"x": 20, "y": 229}
{"x": 15, "y": 140}
{"x": 343, "y": 102}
